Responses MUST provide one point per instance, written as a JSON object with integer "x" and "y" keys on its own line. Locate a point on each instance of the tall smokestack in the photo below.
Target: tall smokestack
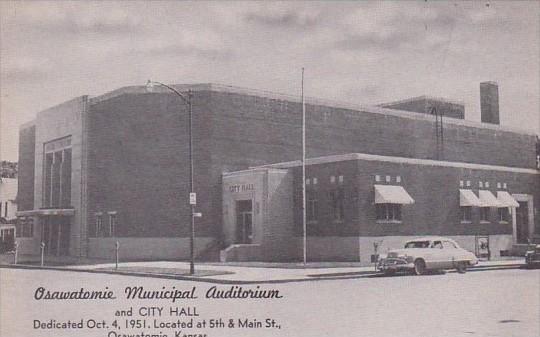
{"x": 489, "y": 102}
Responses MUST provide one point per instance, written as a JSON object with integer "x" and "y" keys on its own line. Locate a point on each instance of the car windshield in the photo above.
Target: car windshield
{"x": 417, "y": 244}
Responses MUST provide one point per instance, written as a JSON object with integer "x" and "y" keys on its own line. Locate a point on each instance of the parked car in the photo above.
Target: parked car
{"x": 427, "y": 253}
{"x": 532, "y": 256}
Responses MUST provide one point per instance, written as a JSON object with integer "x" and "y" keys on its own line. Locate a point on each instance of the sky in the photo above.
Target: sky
{"x": 356, "y": 52}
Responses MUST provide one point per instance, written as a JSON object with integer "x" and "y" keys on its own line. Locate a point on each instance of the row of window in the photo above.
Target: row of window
{"x": 333, "y": 179}
{"x": 485, "y": 214}
{"x": 101, "y": 229}
{"x": 481, "y": 184}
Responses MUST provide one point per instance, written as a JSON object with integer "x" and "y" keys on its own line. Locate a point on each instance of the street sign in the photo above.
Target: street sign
{"x": 197, "y": 215}
{"x": 193, "y": 198}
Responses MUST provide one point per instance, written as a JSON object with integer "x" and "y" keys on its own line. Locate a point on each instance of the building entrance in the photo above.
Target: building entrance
{"x": 55, "y": 233}
{"x": 522, "y": 222}
{"x": 244, "y": 221}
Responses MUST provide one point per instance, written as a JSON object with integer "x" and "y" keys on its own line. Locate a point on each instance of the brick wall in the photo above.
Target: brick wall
{"x": 435, "y": 191}
{"x": 27, "y": 143}
{"x": 139, "y": 164}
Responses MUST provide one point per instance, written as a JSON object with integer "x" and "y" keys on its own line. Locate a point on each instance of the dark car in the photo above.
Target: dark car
{"x": 532, "y": 256}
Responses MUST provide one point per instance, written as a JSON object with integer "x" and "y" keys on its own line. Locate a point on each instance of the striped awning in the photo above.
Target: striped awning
{"x": 506, "y": 199}
{"x": 468, "y": 198}
{"x": 392, "y": 194}
{"x": 489, "y": 200}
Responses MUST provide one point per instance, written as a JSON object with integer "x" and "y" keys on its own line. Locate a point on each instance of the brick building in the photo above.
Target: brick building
{"x": 93, "y": 171}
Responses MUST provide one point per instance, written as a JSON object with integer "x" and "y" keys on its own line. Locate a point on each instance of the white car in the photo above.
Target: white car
{"x": 427, "y": 253}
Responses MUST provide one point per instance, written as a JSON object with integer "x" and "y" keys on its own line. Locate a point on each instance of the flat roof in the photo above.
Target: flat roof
{"x": 141, "y": 89}
{"x": 398, "y": 160}
{"x": 423, "y": 98}
{"x": 309, "y": 100}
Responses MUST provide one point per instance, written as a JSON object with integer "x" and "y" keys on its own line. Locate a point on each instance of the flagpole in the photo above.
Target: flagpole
{"x": 304, "y": 170}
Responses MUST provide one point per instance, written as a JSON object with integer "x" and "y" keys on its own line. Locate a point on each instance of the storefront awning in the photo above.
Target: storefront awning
{"x": 506, "y": 199}
{"x": 391, "y": 194}
{"x": 489, "y": 200}
{"x": 48, "y": 211}
{"x": 468, "y": 198}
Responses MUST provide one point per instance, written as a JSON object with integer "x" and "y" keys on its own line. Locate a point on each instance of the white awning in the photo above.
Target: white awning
{"x": 391, "y": 194}
{"x": 489, "y": 200}
{"x": 506, "y": 199}
{"x": 468, "y": 198}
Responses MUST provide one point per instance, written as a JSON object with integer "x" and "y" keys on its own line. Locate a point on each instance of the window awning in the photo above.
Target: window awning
{"x": 489, "y": 200}
{"x": 468, "y": 198}
{"x": 391, "y": 194}
{"x": 506, "y": 199}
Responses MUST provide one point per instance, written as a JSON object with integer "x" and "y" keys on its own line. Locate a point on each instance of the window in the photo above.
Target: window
{"x": 398, "y": 179}
{"x": 377, "y": 178}
{"x": 461, "y": 183}
{"x": 437, "y": 245}
{"x": 484, "y": 214}
{"x": 98, "y": 226}
{"x": 503, "y": 214}
{"x": 315, "y": 181}
{"x": 5, "y": 210}
{"x": 389, "y": 212}
{"x": 332, "y": 179}
{"x": 340, "y": 179}
{"x": 311, "y": 207}
{"x": 337, "y": 204}
{"x": 112, "y": 224}
{"x": 466, "y": 213}
{"x": 308, "y": 181}
{"x": 388, "y": 179}
{"x": 480, "y": 184}
{"x": 448, "y": 245}
{"x": 486, "y": 184}
{"x": 25, "y": 227}
{"x": 57, "y": 173}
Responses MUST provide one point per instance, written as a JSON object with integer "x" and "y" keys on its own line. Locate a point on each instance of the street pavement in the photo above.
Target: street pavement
{"x": 502, "y": 302}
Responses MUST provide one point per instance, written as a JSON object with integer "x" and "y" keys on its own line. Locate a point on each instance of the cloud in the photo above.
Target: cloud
{"x": 283, "y": 18}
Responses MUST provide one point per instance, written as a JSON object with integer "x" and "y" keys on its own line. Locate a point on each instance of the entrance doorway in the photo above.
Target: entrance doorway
{"x": 522, "y": 222}
{"x": 55, "y": 232}
{"x": 244, "y": 221}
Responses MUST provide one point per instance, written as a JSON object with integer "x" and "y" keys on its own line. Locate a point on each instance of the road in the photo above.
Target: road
{"x": 488, "y": 303}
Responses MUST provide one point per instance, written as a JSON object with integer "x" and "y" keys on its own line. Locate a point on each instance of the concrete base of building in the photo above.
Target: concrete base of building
{"x": 353, "y": 249}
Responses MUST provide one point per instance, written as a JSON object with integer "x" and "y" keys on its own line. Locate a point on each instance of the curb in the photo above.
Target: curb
{"x": 308, "y": 278}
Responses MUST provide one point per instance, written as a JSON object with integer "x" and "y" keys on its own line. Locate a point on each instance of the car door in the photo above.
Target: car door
{"x": 450, "y": 254}
{"x": 434, "y": 256}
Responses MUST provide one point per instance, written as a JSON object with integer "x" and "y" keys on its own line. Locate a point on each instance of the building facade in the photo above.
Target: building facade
{"x": 115, "y": 168}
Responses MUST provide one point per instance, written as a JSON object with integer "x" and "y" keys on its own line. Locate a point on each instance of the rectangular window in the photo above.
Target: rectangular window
{"x": 5, "y": 210}
{"x": 466, "y": 213}
{"x": 112, "y": 225}
{"x": 503, "y": 214}
{"x": 337, "y": 204}
{"x": 484, "y": 214}
{"x": 388, "y": 212}
{"x": 99, "y": 226}
{"x": 311, "y": 207}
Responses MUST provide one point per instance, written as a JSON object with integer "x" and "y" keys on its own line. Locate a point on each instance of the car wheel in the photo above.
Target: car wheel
{"x": 461, "y": 267}
{"x": 419, "y": 267}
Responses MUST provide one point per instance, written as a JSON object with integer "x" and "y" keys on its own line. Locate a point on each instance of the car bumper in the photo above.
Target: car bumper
{"x": 394, "y": 265}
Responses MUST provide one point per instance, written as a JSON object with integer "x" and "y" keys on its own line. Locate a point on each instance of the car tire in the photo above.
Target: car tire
{"x": 419, "y": 267}
{"x": 461, "y": 267}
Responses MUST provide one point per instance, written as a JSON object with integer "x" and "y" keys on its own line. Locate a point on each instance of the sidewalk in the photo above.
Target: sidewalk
{"x": 250, "y": 272}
